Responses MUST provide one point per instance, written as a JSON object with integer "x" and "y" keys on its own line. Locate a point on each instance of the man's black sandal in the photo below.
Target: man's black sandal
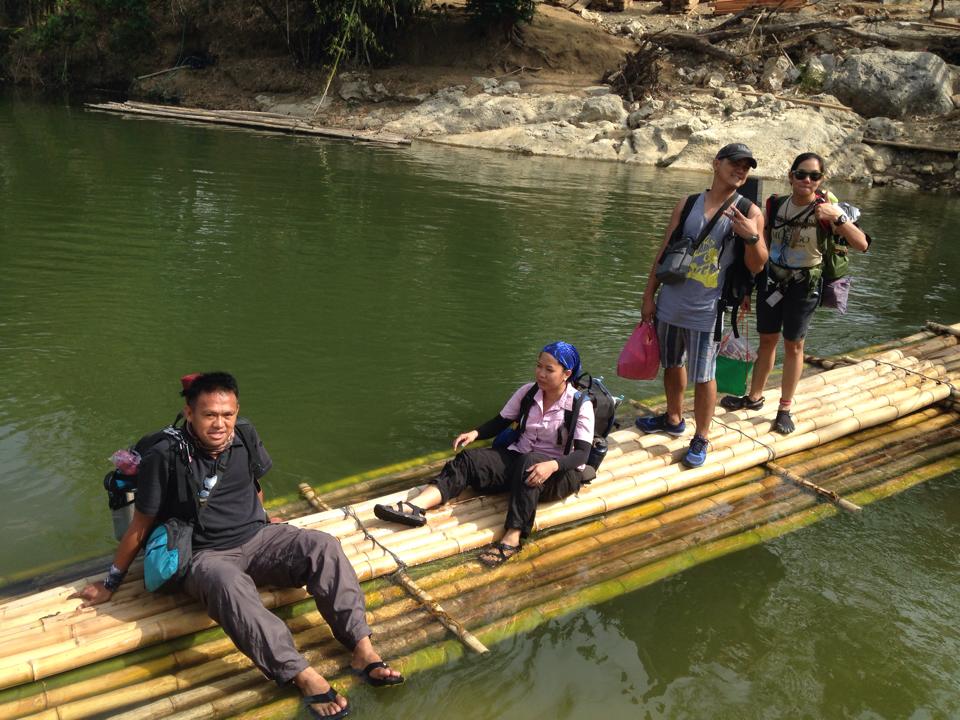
{"x": 414, "y": 518}
{"x": 377, "y": 681}
{"x": 328, "y": 697}
{"x": 498, "y": 553}
{"x": 738, "y": 402}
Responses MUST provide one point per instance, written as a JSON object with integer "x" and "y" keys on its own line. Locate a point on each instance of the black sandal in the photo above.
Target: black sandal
{"x": 498, "y": 553}
{"x": 740, "y": 402}
{"x": 377, "y": 681}
{"x": 328, "y": 697}
{"x": 414, "y": 518}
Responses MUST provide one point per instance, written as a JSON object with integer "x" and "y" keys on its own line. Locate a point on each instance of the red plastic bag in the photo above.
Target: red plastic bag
{"x": 640, "y": 357}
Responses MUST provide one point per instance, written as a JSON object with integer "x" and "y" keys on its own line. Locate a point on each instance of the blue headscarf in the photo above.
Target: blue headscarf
{"x": 566, "y": 354}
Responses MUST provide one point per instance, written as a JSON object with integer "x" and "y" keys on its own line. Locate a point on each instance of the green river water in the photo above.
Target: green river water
{"x": 373, "y": 302}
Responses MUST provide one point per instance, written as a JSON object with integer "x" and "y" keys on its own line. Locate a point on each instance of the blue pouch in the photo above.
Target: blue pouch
{"x": 506, "y": 437}
{"x": 167, "y": 554}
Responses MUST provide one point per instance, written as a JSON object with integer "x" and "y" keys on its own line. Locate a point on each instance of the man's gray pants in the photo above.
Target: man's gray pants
{"x": 225, "y": 581}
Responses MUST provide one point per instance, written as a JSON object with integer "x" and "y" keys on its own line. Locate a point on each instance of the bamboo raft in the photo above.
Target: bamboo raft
{"x": 256, "y": 120}
{"x": 867, "y": 427}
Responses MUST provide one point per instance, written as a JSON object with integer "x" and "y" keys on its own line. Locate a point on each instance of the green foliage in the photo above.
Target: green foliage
{"x": 315, "y": 31}
{"x": 811, "y": 79}
{"x": 85, "y": 35}
{"x": 503, "y": 13}
{"x": 115, "y": 26}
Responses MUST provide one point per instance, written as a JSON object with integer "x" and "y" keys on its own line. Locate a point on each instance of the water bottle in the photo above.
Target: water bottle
{"x": 120, "y": 496}
{"x": 597, "y": 453}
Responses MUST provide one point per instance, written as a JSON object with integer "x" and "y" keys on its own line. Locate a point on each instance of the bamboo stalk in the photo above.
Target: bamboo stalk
{"x": 311, "y": 497}
{"x": 941, "y": 329}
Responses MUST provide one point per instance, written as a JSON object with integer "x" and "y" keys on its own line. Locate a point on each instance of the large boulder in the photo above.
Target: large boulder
{"x": 605, "y": 107}
{"x": 775, "y": 138}
{"x": 893, "y": 84}
{"x": 777, "y": 72}
{"x": 659, "y": 142}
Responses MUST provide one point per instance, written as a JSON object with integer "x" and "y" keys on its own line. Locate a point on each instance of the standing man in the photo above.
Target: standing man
{"x": 687, "y": 310}
{"x": 236, "y": 547}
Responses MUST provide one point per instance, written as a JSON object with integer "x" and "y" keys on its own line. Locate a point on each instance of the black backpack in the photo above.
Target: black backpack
{"x": 604, "y": 414}
{"x": 738, "y": 282}
{"x": 121, "y": 487}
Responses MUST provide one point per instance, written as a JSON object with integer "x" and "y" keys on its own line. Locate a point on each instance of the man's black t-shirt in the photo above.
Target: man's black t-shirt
{"x": 231, "y": 515}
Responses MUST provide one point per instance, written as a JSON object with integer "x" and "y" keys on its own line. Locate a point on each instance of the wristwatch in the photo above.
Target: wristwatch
{"x": 841, "y": 220}
{"x": 752, "y": 240}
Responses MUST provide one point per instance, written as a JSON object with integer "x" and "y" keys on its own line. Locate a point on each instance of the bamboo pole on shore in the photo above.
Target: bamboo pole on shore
{"x": 258, "y": 121}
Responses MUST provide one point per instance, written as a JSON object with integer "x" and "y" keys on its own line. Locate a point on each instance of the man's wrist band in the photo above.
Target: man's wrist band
{"x": 114, "y": 577}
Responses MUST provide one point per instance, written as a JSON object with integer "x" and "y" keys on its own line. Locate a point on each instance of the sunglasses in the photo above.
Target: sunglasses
{"x": 804, "y": 174}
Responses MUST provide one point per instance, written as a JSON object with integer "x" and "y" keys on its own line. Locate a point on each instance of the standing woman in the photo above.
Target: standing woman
{"x": 797, "y": 230}
{"x": 540, "y": 463}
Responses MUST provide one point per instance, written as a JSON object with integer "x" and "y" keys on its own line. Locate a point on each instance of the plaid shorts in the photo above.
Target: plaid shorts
{"x": 697, "y": 347}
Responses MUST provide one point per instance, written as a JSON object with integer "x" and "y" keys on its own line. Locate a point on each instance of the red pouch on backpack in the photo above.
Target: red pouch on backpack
{"x": 640, "y": 357}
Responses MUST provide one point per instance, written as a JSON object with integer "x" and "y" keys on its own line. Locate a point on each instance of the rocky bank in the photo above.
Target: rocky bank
{"x": 854, "y": 103}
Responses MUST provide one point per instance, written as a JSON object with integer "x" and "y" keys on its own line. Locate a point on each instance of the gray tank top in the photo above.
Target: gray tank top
{"x": 692, "y": 304}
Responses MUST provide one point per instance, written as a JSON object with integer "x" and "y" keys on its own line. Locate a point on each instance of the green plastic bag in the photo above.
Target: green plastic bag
{"x": 732, "y": 375}
{"x": 735, "y": 359}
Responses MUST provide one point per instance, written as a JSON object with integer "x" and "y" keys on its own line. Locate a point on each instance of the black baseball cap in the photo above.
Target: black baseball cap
{"x": 737, "y": 151}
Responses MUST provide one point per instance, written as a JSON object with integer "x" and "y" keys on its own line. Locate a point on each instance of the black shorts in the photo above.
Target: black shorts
{"x": 791, "y": 315}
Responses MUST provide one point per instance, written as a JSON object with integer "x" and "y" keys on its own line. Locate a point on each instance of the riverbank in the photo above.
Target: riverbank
{"x": 850, "y": 81}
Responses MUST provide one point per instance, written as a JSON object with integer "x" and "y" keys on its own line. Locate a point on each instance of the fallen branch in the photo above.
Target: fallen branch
{"x": 696, "y": 43}
{"x": 162, "y": 72}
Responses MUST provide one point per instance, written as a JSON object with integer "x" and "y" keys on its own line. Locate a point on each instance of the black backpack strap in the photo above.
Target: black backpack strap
{"x": 571, "y": 416}
{"x": 743, "y": 204}
{"x": 244, "y": 431}
{"x": 684, "y": 214}
{"x": 525, "y": 404}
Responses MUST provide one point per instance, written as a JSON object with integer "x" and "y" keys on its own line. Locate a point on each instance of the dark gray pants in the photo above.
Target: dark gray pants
{"x": 225, "y": 581}
{"x": 497, "y": 470}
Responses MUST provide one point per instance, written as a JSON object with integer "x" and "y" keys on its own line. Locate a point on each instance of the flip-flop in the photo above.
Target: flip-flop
{"x": 414, "y": 518}
{"x": 377, "y": 681}
{"x": 498, "y": 553}
{"x": 328, "y": 697}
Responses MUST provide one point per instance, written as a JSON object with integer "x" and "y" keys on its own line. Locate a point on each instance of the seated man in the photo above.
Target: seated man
{"x": 236, "y": 547}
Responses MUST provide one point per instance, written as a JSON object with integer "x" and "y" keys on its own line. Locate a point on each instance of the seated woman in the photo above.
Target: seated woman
{"x": 537, "y": 463}
{"x": 797, "y": 230}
